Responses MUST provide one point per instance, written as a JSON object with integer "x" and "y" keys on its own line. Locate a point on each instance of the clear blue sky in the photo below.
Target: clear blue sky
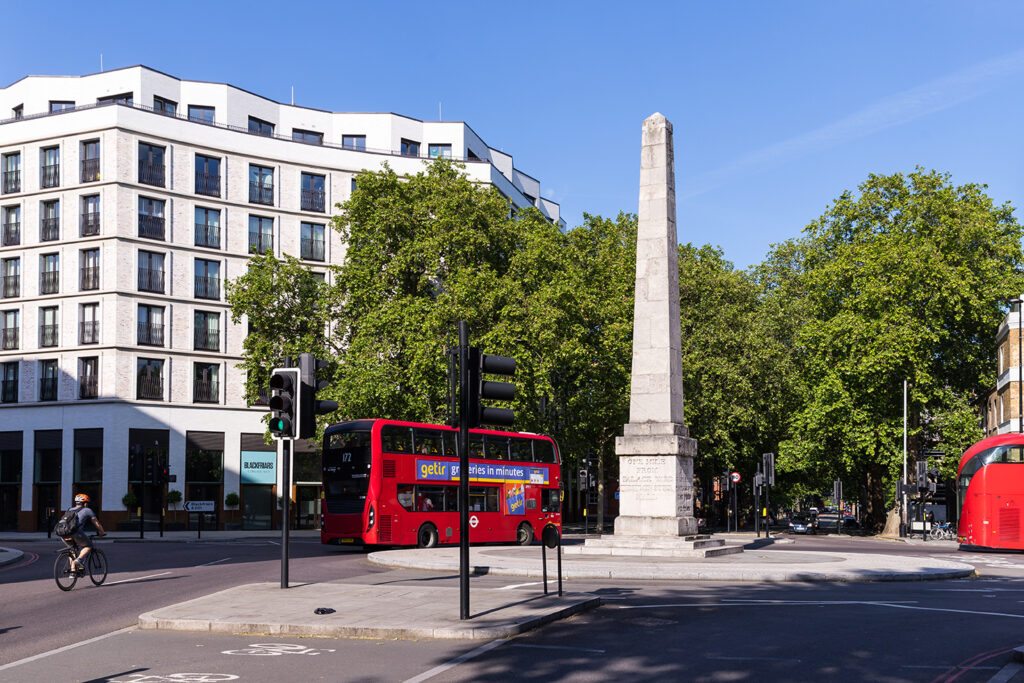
{"x": 777, "y": 106}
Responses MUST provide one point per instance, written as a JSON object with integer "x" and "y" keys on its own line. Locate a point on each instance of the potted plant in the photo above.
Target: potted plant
{"x": 231, "y": 503}
{"x": 173, "y": 498}
{"x": 131, "y": 503}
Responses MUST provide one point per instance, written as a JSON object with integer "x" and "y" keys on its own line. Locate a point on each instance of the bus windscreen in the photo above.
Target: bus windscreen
{"x": 346, "y": 471}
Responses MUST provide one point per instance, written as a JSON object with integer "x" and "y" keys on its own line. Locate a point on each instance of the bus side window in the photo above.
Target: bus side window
{"x": 520, "y": 449}
{"x": 476, "y": 446}
{"x": 550, "y": 500}
{"x": 543, "y": 451}
{"x": 496, "y": 447}
{"x": 450, "y": 443}
{"x": 428, "y": 441}
{"x": 396, "y": 439}
{"x": 405, "y": 497}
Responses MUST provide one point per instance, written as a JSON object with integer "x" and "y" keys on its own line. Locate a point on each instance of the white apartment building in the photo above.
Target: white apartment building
{"x": 127, "y": 199}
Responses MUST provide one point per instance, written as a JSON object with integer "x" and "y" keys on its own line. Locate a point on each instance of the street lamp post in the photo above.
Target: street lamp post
{"x": 1020, "y": 363}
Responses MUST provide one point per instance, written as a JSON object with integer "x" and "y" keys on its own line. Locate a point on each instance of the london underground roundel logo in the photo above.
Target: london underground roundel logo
{"x": 473, "y": 521}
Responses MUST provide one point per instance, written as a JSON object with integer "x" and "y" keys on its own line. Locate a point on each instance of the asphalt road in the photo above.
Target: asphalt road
{"x": 924, "y": 631}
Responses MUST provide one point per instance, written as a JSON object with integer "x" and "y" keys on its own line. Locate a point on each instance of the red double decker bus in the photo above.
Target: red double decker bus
{"x": 387, "y": 482}
{"x": 990, "y": 490}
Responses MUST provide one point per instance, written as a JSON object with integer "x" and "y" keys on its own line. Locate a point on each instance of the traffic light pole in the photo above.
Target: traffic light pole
{"x": 464, "y": 407}
{"x": 286, "y": 475}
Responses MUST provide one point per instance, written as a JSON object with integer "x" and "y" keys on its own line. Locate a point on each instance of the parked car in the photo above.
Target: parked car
{"x": 801, "y": 523}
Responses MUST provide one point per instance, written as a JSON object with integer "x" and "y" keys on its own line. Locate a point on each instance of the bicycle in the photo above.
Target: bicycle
{"x": 942, "y": 531}
{"x": 95, "y": 563}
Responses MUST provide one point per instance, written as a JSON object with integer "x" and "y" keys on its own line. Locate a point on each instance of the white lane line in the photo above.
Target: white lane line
{"x": 273, "y": 543}
{"x": 524, "y": 585}
{"x": 65, "y": 648}
{"x": 1007, "y": 673}
{"x": 558, "y": 647}
{"x": 214, "y": 562}
{"x": 137, "y": 578}
{"x": 760, "y": 603}
{"x": 946, "y": 667}
{"x": 441, "y": 668}
{"x": 979, "y": 590}
{"x": 944, "y": 609}
{"x": 754, "y": 659}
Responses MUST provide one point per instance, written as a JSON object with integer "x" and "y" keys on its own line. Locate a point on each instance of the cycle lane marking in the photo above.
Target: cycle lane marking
{"x": 137, "y": 578}
{"x": 452, "y": 663}
{"x": 42, "y": 655}
{"x": 214, "y": 562}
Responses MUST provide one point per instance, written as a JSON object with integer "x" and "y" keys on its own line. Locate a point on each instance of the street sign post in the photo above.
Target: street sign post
{"x": 202, "y": 507}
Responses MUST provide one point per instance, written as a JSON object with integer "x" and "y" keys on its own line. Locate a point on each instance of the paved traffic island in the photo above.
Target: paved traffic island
{"x": 752, "y": 565}
{"x": 366, "y": 611}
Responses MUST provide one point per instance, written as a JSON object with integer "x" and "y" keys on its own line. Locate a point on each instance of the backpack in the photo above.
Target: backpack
{"x": 68, "y": 524}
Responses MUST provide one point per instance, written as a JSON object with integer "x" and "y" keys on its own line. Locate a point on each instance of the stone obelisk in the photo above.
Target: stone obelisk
{"x": 656, "y": 452}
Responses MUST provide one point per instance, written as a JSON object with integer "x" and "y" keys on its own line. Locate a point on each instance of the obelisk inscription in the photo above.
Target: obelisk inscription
{"x": 656, "y": 452}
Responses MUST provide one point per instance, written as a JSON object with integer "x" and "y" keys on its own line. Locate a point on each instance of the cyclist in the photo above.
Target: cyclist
{"x": 80, "y": 538}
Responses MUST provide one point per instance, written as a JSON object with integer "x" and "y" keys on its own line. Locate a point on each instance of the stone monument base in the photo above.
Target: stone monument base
{"x": 654, "y": 546}
{"x": 655, "y": 526}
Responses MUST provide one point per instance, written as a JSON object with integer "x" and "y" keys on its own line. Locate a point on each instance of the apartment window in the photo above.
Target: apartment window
{"x": 50, "y": 167}
{"x": 48, "y": 326}
{"x": 49, "y": 275}
{"x": 206, "y": 331}
{"x": 206, "y": 387}
{"x": 308, "y": 136}
{"x": 207, "y": 285}
{"x": 313, "y": 194}
{"x": 357, "y": 142}
{"x": 439, "y": 151}
{"x": 261, "y": 234}
{"x": 312, "y": 242}
{"x": 151, "y": 325}
{"x": 410, "y": 148}
{"x": 260, "y": 127}
{"x": 48, "y": 380}
{"x": 150, "y": 379}
{"x": 164, "y": 106}
{"x": 9, "y": 380}
{"x": 88, "y": 377}
{"x": 123, "y": 98}
{"x": 90, "y": 267}
{"x": 207, "y": 175}
{"x": 10, "y": 330}
{"x": 89, "y": 324}
{"x": 261, "y": 185}
{"x": 49, "y": 220}
{"x": 151, "y": 272}
{"x": 11, "y": 273}
{"x": 200, "y": 113}
{"x": 90, "y": 163}
{"x": 90, "y": 215}
{"x": 207, "y": 227}
{"x": 18, "y": 112}
{"x": 12, "y": 226}
{"x": 60, "y": 105}
{"x": 11, "y": 173}
{"x": 151, "y": 164}
{"x": 151, "y": 218}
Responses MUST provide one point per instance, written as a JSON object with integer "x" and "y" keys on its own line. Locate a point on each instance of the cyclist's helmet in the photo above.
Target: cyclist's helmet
{"x": 81, "y": 498}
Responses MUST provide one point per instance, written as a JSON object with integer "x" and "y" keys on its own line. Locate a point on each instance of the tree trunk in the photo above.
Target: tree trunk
{"x": 877, "y": 509}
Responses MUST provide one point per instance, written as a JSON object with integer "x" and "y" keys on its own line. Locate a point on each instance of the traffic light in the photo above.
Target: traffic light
{"x": 922, "y": 475}
{"x": 150, "y": 474}
{"x": 285, "y": 410}
{"x": 163, "y": 475}
{"x": 309, "y": 405}
{"x": 481, "y": 364}
{"x": 768, "y": 466}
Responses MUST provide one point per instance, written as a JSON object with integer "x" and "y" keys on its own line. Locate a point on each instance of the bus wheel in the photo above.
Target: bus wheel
{"x": 426, "y": 537}
{"x": 524, "y": 534}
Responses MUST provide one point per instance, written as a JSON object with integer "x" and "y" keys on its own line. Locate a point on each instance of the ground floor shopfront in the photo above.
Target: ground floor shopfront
{"x": 110, "y": 452}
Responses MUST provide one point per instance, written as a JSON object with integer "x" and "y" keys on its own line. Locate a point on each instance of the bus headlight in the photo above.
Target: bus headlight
{"x": 372, "y": 518}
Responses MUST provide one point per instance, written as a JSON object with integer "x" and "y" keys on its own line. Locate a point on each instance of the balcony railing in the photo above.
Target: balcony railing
{"x": 90, "y": 170}
{"x": 205, "y": 391}
{"x": 261, "y": 242}
{"x": 48, "y": 335}
{"x": 12, "y": 286}
{"x": 207, "y": 287}
{"x": 49, "y": 282}
{"x": 90, "y": 223}
{"x": 89, "y": 332}
{"x": 151, "y": 280}
{"x": 12, "y": 182}
{"x": 207, "y": 235}
{"x": 313, "y": 200}
{"x": 151, "y": 226}
{"x": 88, "y": 386}
{"x": 90, "y": 278}
{"x": 151, "y": 335}
{"x": 48, "y": 389}
{"x": 208, "y": 184}
{"x": 49, "y": 229}
{"x": 151, "y": 174}
{"x": 12, "y": 234}
{"x": 10, "y": 338}
{"x": 51, "y": 175}
{"x": 151, "y": 388}
{"x": 207, "y": 340}
{"x": 261, "y": 193}
{"x": 9, "y": 391}
{"x": 313, "y": 250}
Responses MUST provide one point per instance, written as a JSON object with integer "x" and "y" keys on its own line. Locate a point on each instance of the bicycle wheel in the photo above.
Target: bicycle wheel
{"x": 935, "y": 533}
{"x": 97, "y": 566}
{"x": 62, "y": 573}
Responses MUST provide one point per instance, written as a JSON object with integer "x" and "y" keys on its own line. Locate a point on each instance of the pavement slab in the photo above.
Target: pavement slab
{"x": 365, "y": 611}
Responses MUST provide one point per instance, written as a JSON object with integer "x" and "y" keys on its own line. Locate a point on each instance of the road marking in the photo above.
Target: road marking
{"x": 137, "y": 578}
{"x": 979, "y": 590}
{"x": 486, "y": 647}
{"x": 273, "y": 543}
{"x": 1005, "y": 674}
{"x": 558, "y": 647}
{"x": 944, "y": 667}
{"x": 524, "y": 585}
{"x": 727, "y": 602}
{"x": 754, "y": 659}
{"x": 944, "y": 609}
{"x": 24, "y": 561}
{"x": 41, "y": 655}
{"x": 214, "y": 562}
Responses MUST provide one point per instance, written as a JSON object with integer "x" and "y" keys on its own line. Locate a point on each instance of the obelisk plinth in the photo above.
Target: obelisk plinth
{"x": 656, "y": 452}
